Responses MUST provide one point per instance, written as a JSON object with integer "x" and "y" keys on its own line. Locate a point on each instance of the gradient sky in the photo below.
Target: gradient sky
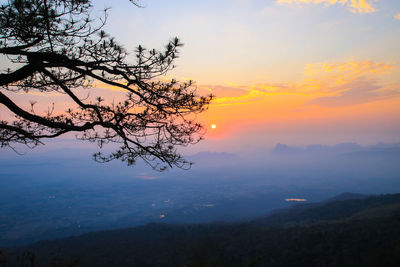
{"x": 289, "y": 71}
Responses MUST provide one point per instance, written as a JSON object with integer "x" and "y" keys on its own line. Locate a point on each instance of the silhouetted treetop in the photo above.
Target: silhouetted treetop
{"x": 56, "y": 46}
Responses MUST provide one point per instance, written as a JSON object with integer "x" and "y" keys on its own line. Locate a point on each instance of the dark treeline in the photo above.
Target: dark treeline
{"x": 357, "y": 232}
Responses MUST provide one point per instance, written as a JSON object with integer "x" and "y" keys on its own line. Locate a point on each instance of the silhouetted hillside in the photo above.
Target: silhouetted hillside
{"x": 338, "y": 208}
{"x": 352, "y": 232}
{"x": 348, "y": 196}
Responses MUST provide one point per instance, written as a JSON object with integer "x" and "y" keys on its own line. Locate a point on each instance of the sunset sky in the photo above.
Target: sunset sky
{"x": 283, "y": 71}
{"x": 290, "y": 71}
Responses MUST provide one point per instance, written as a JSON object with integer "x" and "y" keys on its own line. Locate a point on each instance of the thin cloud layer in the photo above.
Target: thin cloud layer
{"x": 327, "y": 84}
{"x": 355, "y": 6}
{"x": 248, "y": 94}
{"x": 349, "y": 83}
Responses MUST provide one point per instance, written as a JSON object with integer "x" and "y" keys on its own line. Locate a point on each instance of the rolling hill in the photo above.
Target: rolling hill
{"x": 350, "y": 230}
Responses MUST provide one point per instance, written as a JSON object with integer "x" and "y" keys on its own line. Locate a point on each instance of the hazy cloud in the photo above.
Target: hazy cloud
{"x": 397, "y": 16}
{"x": 329, "y": 84}
{"x": 355, "y": 6}
{"x": 238, "y": 94}
{"x": 349, "y": 83}
{"x": 355, "y": 92}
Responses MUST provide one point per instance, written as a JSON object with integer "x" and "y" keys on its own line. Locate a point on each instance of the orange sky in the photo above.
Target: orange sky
{"x": 343, "y": 96}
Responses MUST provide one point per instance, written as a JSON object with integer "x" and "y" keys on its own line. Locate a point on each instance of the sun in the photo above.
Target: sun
{"x": 213, "y": 126}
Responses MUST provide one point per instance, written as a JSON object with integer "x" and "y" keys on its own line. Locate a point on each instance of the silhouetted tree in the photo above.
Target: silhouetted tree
{"x": 56, "y": 46}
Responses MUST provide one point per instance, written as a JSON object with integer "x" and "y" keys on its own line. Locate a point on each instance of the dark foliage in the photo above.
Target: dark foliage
{"x": 367, "y": 237}
{"x": 325, "y": 211}
{"x": 55, "y": 46}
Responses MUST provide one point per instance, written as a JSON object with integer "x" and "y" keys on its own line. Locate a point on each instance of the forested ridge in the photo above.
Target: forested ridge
{"x": 351, "y": 232}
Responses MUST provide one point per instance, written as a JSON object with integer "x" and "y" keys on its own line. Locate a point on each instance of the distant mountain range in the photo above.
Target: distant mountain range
{"x": 342, "y": 148}
{"x": 348, "y": 230}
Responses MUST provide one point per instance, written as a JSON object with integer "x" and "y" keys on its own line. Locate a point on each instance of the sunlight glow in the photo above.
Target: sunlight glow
{"x": 295, "y": 199}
